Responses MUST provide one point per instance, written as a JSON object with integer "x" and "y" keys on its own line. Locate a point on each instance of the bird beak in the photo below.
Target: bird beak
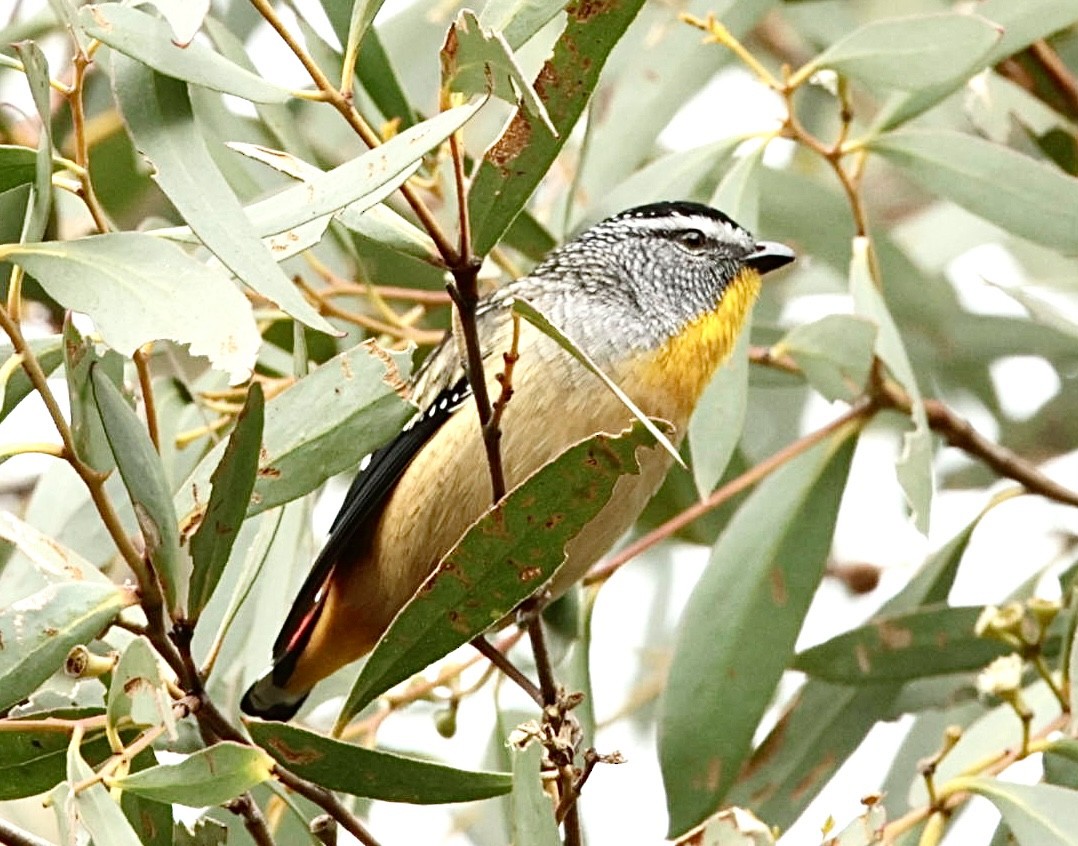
{"x": 768, "y": 256}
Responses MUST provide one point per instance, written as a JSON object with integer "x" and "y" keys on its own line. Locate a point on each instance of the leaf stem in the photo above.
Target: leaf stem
{"x": 142, "y": 366}
{"x": 81, "y": 62}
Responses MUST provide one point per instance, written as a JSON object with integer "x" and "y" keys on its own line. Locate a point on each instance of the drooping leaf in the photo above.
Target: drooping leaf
{"x": 908, "y": 53}
{"x": 933, "y": 640}
{"x": 914, "y": 465}
{"x": 825, "y": 722}
{"x": 37, "y": 75}
{"x": 1021, "y": 25}
{"x": 765, "y": 566}
{"x": 716, "y": 424}
{"x": 96, "y": 810}
{"x": 151, "y": 42}
{"x": 533, "y": 812}
{"x": 49, "y": 353}
{"x": 39, "y": 630}
{"x": 34, "y": 760}
{"x": 1037, "y": 814}
{"x": 80, "y": 357}
{"x": 157, "y": 112}
{"x": 505, "y": 557}
{"x": 232, "y": 481}
{"x": 1028, "y": 198}
{"x": 136, "y": 690}
{"x": 207, "y": 777}
{"x": 16, "y": 166}
{"x": 372, "y": 773}
{"x": 835, "y": 354}
{"x": 144, "y": 477}
{"x": 512, "y": 168}
{"x": 139, "y": 289}
{"x": 476, "y": 60}
{"x": 357, "y": 396}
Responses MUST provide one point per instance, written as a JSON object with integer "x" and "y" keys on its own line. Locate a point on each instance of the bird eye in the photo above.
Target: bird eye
{"x": 693, "y": 239}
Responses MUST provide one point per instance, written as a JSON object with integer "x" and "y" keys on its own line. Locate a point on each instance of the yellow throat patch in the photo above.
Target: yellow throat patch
{"x": 682, "y": 367}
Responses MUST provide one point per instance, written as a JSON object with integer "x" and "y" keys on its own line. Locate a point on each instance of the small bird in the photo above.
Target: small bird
{"x": 656, "y": 296}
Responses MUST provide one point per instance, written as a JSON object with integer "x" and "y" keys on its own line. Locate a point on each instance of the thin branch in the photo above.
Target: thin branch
{"x": 508, "y": 668}
{"x": 1063, "y": 80}
{"x": 347, "y": 110}
{"x": 82, "y": 154}
{"x": 328, "y": 802}
{"x": 142, "y": 366}
{"x": 862, "y": 409}
{"x": 11, "y": 835}
{"x": 254, "y": 820}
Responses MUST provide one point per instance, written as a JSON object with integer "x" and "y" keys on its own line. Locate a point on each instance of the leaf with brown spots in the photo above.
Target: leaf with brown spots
{"x": 738, "y": 630}
{"x": 508, "y": 555}
{"x": 371, "y": 773}
{"x": 210, "y": 776}
{"x": 39, "y": 630}
{"x": 931, "y": 641}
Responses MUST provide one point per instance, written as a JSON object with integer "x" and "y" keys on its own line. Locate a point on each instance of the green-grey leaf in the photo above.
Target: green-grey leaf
{"x": 908, "y": 53}
{"x": 80, "y": 356}
{"x": 34, "y": 760}
{"x": 207, "y": 777}
{"x": 738, "y": 193}
{"x": 512, "y": 168}
{"x": 826, "y": 722}
{"x": 363, "y": 13}
{"x": 835, "y": 354}
{"x": 50, "y": 557}
{"x": 1037, "y": 814}
{"x": 914, "y": 465}
{"x": 37, "y": 75}
{"x": 136, "y": 690}
{"x": 935, "y": 640}
{"x": 359, "y": 409}
{"x": 144, "y": 477}
{"x": 518, "y": 20}
{"x": 150, "y": 41}
{"x": 39, "y": 630}
{"x": 95, "y": 807}
{"x": 505, "y": 557}
{"x": 533, "y": 811}
{"x": 1026, "y": 197}
{"x": 157, "y": 111}
{"x": 16, "y": 166}
{"x": 716, "y": 424}
{"x": 232, "y": 481}
{"x": 476, "y": 60}
{"x": 765, "y": 566}
{"x": 138, "y": 289}
{"x": 372, "y": 773}
{"x": 49, "y": 352}
{"x": 1022, "y": 24}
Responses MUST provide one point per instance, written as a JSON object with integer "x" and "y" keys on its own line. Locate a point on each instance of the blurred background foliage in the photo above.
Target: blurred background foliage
{"x": 167, "y": 229}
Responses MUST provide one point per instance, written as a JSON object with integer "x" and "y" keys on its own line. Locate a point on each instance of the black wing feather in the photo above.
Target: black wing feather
{"x": 365, "y": 496}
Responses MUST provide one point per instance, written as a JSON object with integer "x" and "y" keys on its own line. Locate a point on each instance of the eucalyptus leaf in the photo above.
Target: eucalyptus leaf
{"x": 765, "y": 566}
{"x": 1029, "y": 198}
{"x": 152, "y": 42}
{"x": 1037, "y": 814}
{"x": 909, "y": 53}
{"x": 372, "y": 773}
{"x": 49, "y": 353}
{"x": 37, "y": 75}
{"x": 233, "y": 482}
{"x": 835, "y": 353}
{"x": 39, "y": 630}
{"x": 137, "y": 691}
{"x": 94, "y": 807}
{"x": 716, "y": 424}
{"x": 533, "y": 813}
{"x": 16, "y": 166}
{"x": 210, "y": 776}
{"x": 157, "y": 111}
{"x": 144, "y": 477}
{"x": 112, "y": 278}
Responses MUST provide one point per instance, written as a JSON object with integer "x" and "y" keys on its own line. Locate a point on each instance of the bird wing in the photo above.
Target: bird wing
{"x": 369, "y": 490}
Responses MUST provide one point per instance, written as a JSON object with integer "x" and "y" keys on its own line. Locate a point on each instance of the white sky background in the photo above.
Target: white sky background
{"x": 624, "y": 804}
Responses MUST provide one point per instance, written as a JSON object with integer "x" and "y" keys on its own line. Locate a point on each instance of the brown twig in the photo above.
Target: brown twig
{"x": 254, "y": 820}
{"x": 11, "y": 835}
{"x": 80, "y": 63}
{"x": 862, "y": 409}
{"x": 347, "y": 110}
{"x": 327, "y": 307}
{"x": 142, "y": 366}
{"x": 498, "y": 659}
{"x": 328, "y": 802}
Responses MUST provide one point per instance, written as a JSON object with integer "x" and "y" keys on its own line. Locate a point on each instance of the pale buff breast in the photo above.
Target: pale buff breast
{"x": 556, "y": 403}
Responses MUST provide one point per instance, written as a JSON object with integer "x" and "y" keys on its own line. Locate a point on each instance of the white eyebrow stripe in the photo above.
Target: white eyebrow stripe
{"x": 718, "y": 229}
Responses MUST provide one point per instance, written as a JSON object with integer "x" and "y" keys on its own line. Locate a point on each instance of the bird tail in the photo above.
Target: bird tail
{"x": 271, "y": 701}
